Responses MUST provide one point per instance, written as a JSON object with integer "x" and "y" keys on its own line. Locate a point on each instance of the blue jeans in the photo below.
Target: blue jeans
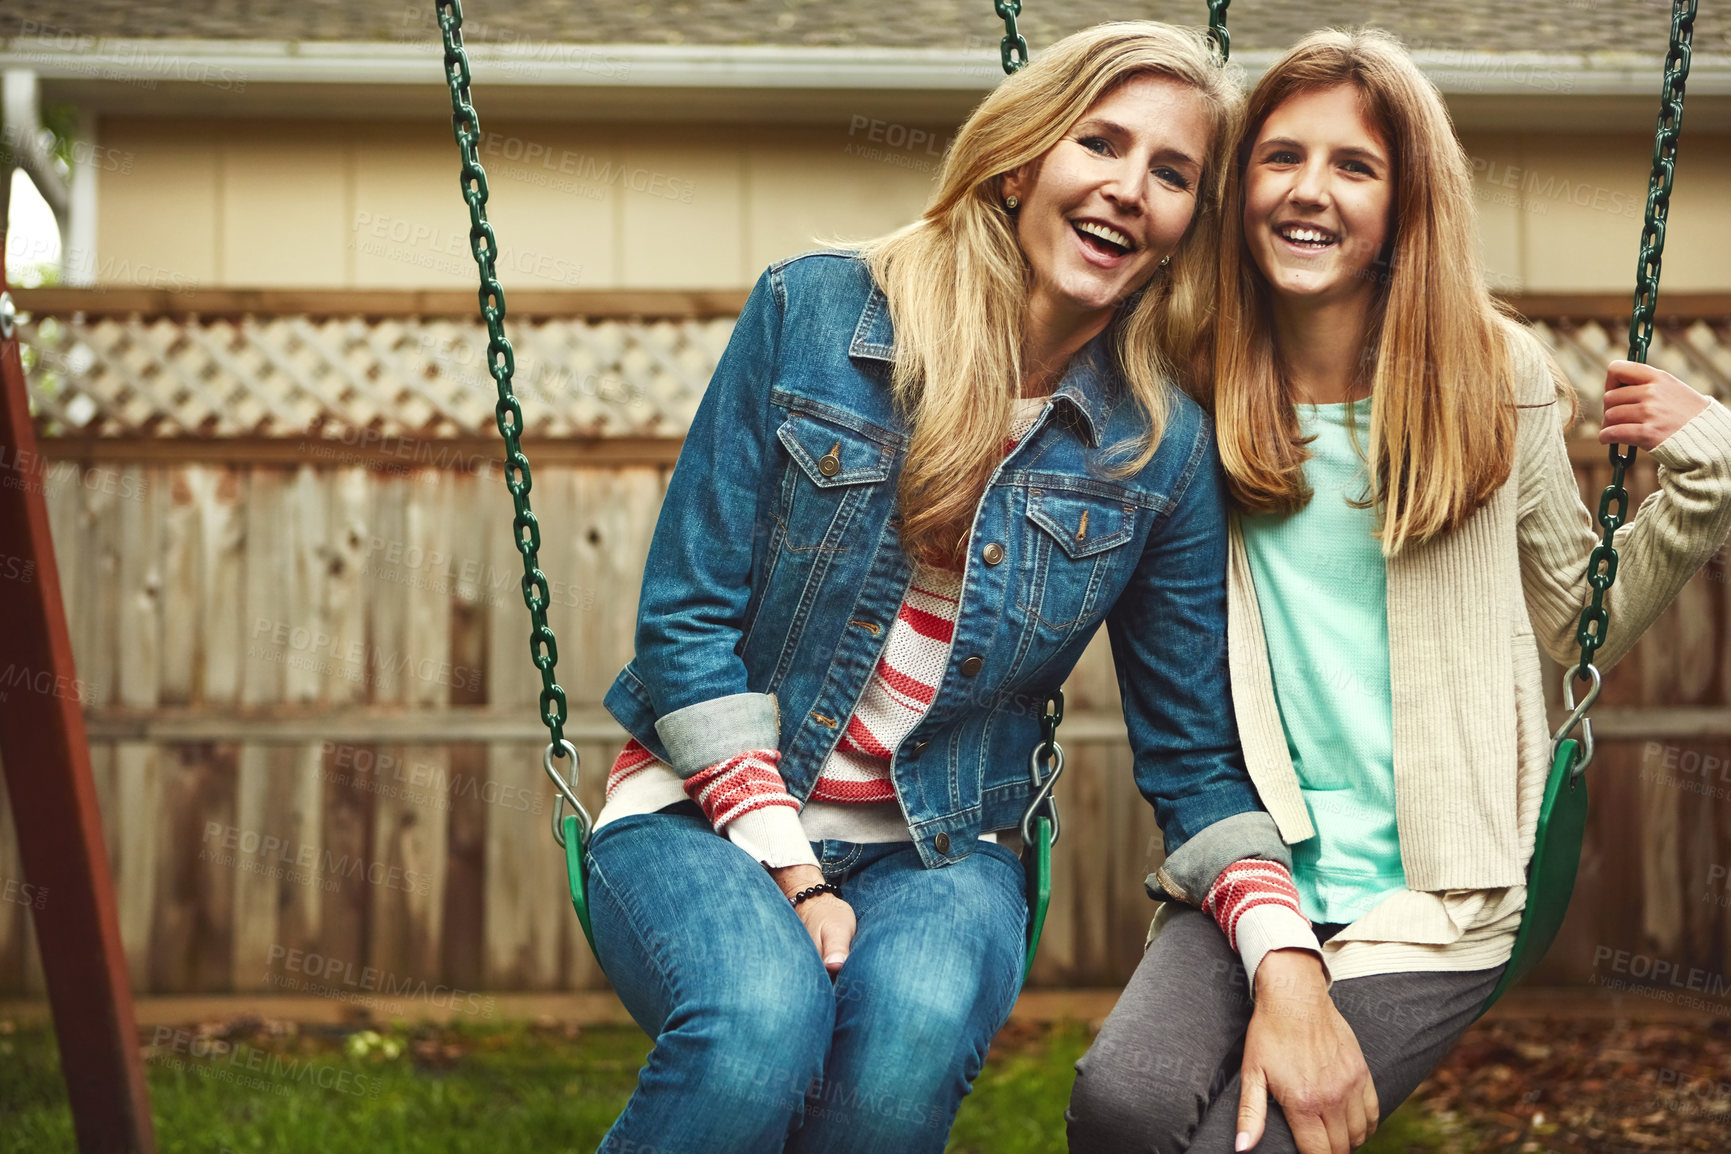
{"x": 756, "y": 1048}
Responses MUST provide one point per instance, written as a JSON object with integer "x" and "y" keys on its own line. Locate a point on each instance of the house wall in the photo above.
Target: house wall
{"x": 222, "y": 203}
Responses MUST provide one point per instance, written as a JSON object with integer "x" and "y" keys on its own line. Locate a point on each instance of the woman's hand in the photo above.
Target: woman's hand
{"x": 827, "y": 918}
{"x": 1302, "y": 1051}
{"x": 1644, "y": 405}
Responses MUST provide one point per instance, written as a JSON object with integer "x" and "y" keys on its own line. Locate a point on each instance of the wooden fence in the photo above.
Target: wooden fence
{"x": 311, "y": 710}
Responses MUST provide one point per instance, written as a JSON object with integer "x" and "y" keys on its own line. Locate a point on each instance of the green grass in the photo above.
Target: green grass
{"x": 466, "y": 1090}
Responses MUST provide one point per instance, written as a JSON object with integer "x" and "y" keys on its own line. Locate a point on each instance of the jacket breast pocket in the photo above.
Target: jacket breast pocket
{"x": 832, "y": 472}
{"x": 1079, "y": 557}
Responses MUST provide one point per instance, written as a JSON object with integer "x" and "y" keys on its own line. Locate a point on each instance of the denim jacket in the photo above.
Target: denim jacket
{"x": 775, "y": 572}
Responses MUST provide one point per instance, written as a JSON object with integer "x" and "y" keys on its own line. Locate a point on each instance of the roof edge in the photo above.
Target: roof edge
{"x": 235, "y": 64}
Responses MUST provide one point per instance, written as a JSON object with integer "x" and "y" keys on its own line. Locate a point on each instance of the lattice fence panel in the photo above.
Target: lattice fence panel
{"x": 291, "y": 376}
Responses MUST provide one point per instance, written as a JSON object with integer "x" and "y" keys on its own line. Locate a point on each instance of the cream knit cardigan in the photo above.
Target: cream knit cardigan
{"x": 1466, "y": 616}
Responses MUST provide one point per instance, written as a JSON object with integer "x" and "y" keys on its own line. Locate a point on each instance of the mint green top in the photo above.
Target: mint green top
{"x": 1322, "y": 589}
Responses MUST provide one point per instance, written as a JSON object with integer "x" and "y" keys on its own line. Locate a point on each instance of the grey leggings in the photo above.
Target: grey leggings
{"x": 1164, "y": 1073}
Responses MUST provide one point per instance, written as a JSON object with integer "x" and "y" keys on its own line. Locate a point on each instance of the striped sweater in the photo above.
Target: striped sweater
{"x": 901, "y": 690}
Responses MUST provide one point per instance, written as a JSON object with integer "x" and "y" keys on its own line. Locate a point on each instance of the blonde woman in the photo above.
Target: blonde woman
{"x": 922, "y": 477}
{"x": 1407, "y": 534}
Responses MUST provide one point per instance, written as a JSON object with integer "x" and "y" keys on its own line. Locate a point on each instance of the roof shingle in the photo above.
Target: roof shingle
{"x": 1565, "y": 26}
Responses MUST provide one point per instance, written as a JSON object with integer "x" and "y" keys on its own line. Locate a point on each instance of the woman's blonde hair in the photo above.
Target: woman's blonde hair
{"x": 1442, "y": 427}
{"x": 957, "y": 280}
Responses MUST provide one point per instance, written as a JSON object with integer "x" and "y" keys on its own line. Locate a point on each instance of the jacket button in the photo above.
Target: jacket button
{"x": 993, "y": 553}
{"x": 972, "y": 666}
{"x": 941, "y": 843}
{"x": 830, "y": 463}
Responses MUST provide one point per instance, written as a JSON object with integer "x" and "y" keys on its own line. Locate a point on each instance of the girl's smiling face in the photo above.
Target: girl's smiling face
{"x": 1318, "y": 197}
{"x": 1109, "y": 201}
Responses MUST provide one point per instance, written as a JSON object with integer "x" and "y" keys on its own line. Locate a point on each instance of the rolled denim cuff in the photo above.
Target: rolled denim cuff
{"x": 700, "y": 735}
{"x": 1190, "y": 870}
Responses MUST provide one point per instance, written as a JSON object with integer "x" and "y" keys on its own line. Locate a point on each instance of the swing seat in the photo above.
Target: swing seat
{"x": 1037, "y": 865}
{"x": 579, "y": 883}
{"x": 1551, "y": 872}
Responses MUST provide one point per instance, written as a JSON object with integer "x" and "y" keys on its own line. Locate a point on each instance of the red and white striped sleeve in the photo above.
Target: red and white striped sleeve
{"x": 743, "y": 798}
{"x": 1256, "y": 904}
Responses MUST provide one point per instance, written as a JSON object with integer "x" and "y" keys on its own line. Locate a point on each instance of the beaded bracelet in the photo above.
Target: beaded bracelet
{"x": 813, "y": 891}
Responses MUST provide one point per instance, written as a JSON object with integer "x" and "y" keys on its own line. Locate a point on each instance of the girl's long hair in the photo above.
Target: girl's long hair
{"x": 957, "y": 281}
{"x": 1442, "y": 427}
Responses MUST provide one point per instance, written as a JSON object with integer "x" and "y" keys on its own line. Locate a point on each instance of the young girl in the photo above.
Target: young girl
{"x": 921, "y": 478}
{"x": 1407, "y": 533}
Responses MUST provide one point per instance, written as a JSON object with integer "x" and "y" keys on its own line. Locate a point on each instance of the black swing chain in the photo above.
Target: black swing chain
{"x": 1614, "y": 504}
{"x": 1013, "y": 49}
{"x": 1217, "y": 33}
{"x": 501, "y": 362}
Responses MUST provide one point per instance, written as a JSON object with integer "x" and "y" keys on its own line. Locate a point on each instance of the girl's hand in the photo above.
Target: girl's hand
{"x": 1644, "y": 405}
{"x": 827, "y": 918}
{"x": 1302, "y": 1051}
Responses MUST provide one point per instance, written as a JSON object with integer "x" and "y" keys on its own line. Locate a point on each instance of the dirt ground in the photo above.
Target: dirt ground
{"x": 1555, "y": 1084}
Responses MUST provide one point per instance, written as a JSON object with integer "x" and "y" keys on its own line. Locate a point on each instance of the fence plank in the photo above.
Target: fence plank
{"x": 192, "y": 940}
{"x": 222, "y": 634}
{"x": 258, "y": 798}
{"x": 466, "y": 825}
{"x": 1661, "y": 874}
{"x": 523, "y": 932}
{"x": 387, "y": 641}
{"x": 68, "y": 526}
{"x": 276, "y": 639}
{"x": 331, "y": 525}
{"x": 410, "y": 820}
{"x": 181, "y": 568}
{"x": 1091, "y": 799}
{"x": 305, "y": 553}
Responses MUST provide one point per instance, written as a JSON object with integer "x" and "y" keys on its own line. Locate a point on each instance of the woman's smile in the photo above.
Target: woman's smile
{"x": 1319, "y": 192}
{"x": 1103, "y": 244}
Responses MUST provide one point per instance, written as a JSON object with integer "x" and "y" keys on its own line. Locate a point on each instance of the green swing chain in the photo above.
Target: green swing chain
{"x": 1013, "y": 49}
{"x": 1217, "y": 34}
{"x": 501, "y": 362}
{"x": 1614, "y": 503}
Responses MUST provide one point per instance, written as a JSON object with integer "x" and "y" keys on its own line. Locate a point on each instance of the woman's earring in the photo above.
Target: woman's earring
{"x": 1165, "y": 261}
{"x": 1011, "y": 202}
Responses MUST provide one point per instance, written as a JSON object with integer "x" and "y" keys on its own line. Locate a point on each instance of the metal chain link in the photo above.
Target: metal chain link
{"x": 1217, "y": 34}
{"x": 1613, "y": 505}
{"x": 501, "y": 362}
{"x": 1013, "y": 49}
